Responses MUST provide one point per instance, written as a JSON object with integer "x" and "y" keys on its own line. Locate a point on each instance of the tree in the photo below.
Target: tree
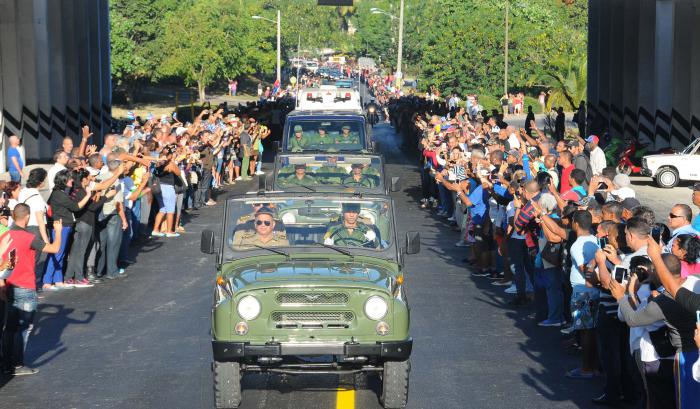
{"x": 209, "y": 40}
{"x": 569, "y": 87}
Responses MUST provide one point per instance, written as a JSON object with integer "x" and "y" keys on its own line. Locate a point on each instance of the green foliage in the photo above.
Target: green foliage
{"x": 455, "y": 45}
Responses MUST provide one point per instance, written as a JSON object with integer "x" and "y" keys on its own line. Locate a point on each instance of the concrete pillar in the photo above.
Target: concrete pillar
{"x": 665, "y": 13}
{"x": 695, "y": 74}
{"x": 617, "y": 25}
{"x": 646, "y": 70}
{"x": 682, "y": 45}
{"x": 630, "y": 52}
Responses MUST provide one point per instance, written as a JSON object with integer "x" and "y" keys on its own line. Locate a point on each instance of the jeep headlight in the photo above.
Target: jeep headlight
{"x": 249, "y": 307}
{"x": 376, "y": 307}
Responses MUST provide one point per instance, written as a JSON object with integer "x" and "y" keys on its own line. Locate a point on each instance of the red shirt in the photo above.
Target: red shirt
{"x": 26, "y": 244}
{"x": 564, "y": 185}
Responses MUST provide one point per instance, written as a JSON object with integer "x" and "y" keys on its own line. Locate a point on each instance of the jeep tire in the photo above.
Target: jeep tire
{"x": 227, "y": 384}
{"x": 667, "y": 177}
{"x": 395, "y": 384}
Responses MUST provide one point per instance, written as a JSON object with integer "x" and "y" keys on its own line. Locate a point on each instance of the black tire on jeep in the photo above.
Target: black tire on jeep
{"x": 227, "y": 384}
{"x": 395, "y": 384}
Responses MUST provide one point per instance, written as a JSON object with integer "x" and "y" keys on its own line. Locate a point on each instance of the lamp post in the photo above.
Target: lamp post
{"x": 278, "y": 22}
{"x": 399, "y": 53}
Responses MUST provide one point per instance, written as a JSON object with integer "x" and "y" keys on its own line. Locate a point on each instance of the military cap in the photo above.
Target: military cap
{"x": 351, "y": 207}
{"x": 298, "y": 128}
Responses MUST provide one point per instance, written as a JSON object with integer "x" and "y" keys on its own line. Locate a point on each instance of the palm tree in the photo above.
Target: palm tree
{"x": 568, "y": 87}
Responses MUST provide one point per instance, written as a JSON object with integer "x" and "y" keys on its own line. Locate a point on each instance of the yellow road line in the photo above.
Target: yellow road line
{"x": 345, "y": 398}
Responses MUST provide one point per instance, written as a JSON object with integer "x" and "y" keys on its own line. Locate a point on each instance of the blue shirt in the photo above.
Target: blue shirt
{"x": 582, "y": 252}
{"x": 696, "y": 223}
{"x": 479, "y": 198}
{"x": 14, "y": 153}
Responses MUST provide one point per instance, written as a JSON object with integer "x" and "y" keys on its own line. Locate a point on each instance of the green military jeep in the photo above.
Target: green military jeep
{"x": 328, "y": 172}
{"x": 310, "y": 283}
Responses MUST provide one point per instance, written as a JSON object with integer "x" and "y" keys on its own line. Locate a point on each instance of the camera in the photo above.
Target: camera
{"x": 5, "y": 211}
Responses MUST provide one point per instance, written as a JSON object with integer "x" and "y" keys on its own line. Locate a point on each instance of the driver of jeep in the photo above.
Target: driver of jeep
{"x": 356, "y": 178}
{"x": 350, "y": 231}
{"x": 264, "y": 234}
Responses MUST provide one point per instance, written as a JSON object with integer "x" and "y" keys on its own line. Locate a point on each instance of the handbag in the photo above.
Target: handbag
{"x": 154, "y": 184}
{"x": 661, "y": 340}
{"x": 551, "y": 253}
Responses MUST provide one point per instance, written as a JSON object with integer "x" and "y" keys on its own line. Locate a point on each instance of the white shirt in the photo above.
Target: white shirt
{"x": 51, "y": 174}
{"x": 597, "y": 161}
{"x": 513, "y": 141}
{"x": 31, "y": 197}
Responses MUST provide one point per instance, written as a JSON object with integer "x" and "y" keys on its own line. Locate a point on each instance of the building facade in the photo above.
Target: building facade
{"x": 644, "y": 70}
{"x": 54, "y": 72}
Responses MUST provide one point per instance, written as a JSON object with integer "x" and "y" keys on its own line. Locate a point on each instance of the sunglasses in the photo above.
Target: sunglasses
{"x": 674, "y": 216}
{"x": 266, "y": 222}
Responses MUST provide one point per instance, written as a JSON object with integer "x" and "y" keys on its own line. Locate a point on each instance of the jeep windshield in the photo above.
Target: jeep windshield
{"x": 325, "y": 135}
{"x": 293, "y": 224}
{"x": 324, "y": 172}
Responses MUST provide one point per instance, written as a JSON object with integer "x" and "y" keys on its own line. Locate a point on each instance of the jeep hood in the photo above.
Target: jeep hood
{"x": 662, "y": 156}
{"x": 305, "y": 273}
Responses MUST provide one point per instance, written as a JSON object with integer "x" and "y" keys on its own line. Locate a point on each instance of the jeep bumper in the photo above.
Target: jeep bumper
{"x": 390, "y": 350}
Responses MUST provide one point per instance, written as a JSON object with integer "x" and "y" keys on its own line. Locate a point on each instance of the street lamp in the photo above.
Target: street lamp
{"x": 279, "y": 49}
{"x": 399, "y": 74}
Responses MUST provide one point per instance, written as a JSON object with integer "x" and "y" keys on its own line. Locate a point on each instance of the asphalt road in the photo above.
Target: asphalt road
{"x": 143, "y": 342}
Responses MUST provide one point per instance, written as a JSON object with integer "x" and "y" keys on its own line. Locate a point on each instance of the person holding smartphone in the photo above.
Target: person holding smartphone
{"x": 21, "y": 289}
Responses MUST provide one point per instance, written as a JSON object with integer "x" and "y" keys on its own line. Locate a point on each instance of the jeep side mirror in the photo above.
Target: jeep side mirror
{"x": 375, "y": 146}
{"x": 207, "y": 243}
{"x": 262, "y": 183}
{"x": 395, "y": 184}
{"x": 412, "y": 242}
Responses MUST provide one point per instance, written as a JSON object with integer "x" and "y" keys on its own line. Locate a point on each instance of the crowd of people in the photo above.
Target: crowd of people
{"x": 102, "y": 201}
{"x": 548, "y": 220}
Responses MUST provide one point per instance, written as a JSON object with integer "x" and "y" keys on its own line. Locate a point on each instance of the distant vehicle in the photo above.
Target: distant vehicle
{"x": 345, "y": 83}
{"x": 669, "y": 169}
{"x": 355, "y": 138}
{"x": 329, "y": 98}
{"x": 296, "y": 62}
{"x": 311, "y": 66}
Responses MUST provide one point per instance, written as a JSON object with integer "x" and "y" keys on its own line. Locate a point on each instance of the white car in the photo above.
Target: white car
{"x": 311, "y": 66}
{"x": 669, "y": 169}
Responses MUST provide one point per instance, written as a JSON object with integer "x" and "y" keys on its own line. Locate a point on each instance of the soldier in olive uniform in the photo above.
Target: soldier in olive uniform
{"x": 323, "y": 139}
{"x": 346, "y": 136}
{"x": 330, "y": 172}
{"x": 300, "y": 178}
{"x": 298, "y": 143}
{"x": 264, "y": 234}
{"x": 357, "y": 179}
{"x": 351, "y": 232}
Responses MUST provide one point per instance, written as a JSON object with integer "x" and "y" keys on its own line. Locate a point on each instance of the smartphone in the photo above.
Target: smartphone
{"x": 656, "y": 234}
{"x": 603, "y": 241}
{"x": 12, "y": 259}
{"x": 697, "y": 315}
{"x": 621, "y": 274}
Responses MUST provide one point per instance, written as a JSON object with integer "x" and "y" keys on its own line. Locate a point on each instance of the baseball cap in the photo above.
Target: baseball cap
{"x": 696, "y": 187}
{"x": 630, "y": 203}
{"x": 265, "y": 210}
{"x": 351, "y": 207}
{"x": 592, "y": 139}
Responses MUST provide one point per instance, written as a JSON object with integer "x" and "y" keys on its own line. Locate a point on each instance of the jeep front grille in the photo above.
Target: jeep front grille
{"x": 307, "y": 298}
{"x": 312, "y": 319}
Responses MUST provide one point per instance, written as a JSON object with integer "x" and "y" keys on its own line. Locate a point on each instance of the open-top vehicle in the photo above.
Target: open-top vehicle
{"x": 310, "y": 283}
{"x": 349, "y": 173}
{"x": 326, "y": 131}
